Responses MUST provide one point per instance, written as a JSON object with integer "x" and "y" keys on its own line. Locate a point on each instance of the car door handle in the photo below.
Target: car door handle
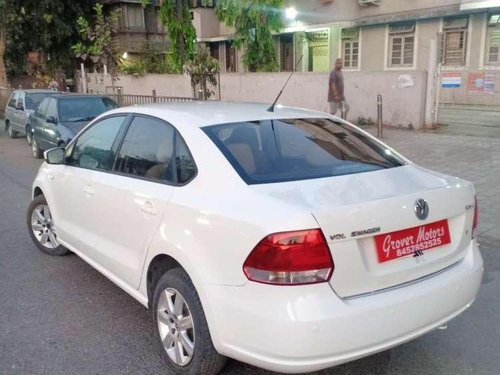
{"x": 148, "y": 208}
{"x": 89, "y": 190}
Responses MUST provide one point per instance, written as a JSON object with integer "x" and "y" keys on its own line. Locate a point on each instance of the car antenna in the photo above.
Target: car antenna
{"x": 271, "y": 108}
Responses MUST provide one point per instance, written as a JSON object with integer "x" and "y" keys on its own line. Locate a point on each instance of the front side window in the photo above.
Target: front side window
{"x": 401, "y": 44}
{"x": 147, "y": 150}
{"x": 454, "y": 44}
{"x": 95, "y": 148}
{"x": 51, "y": 109}
{"x": 350, "y": 47}
{"x": 268, "y": 151}
{"x": 42, "y": 109}
{"x": 493, "y": 40}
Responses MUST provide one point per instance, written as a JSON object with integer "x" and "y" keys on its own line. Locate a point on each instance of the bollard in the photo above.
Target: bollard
{"x": 343, "y": 111}
{"x": 154, "y": 96}
{"x": 380, "y": 128}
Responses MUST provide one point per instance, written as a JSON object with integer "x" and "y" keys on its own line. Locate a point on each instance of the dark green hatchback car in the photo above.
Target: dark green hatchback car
{"x": 60, "y": 117}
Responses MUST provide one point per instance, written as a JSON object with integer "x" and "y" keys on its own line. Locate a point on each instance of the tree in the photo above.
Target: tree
{"x": 43, "y": 25}
{"x": 202, "y": 70}
{"x": 175, "y": 16}
{"x": 96, "y": 38}
{"x": 3, "y": 42}
{"x": 254, "y": 22}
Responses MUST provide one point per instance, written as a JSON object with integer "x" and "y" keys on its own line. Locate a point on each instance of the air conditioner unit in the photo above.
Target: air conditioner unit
{"x": 368, "y": 2}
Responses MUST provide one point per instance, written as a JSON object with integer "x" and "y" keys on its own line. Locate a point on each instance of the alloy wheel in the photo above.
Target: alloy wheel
{"x": 11, "y": 131}
{"x": 176, "y": 327}
{"x": 43, "y": 227}
{"x": 28, "y": 136}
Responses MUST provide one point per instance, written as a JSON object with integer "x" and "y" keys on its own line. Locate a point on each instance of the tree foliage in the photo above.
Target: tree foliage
{"x": 3, "y": 37}
{"x": 176, "y": 18}
{"x": 42, "y": 25}
{"x": 203, "y": 70}
{"x": 254, "y": 22}
{"x": 96, "y": 38}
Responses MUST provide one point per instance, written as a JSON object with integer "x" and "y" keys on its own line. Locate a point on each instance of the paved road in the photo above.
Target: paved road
{"x": 59, "y": 316}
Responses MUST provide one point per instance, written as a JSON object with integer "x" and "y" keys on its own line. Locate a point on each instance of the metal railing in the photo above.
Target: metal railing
{"x": 128, "y": 99}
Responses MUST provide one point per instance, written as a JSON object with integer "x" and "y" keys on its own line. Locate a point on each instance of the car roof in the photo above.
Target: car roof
{"x": 36, "y": 91}
{"x": 75, "y": 96}
{"x": 203, "y": 113}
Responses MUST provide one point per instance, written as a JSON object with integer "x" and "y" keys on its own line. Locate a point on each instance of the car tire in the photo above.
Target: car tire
{"x": 42, "y": 229}
{"x": 190, "y": 349}
{"x": 12, "y": 133}
{"x": 29, "y": 135}
{"x": 37, "y": 153}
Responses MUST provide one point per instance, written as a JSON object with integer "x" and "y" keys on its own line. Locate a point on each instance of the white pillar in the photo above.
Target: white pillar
{"x": 84, "y": 78}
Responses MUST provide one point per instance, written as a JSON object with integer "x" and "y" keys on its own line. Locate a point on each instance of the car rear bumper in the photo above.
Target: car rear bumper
{"x": 307, "y": 328}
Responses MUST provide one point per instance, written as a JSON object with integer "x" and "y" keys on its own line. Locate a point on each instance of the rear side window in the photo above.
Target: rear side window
{"x": 147, "y": 150}
{"x": 94, "y": 149}
{"x": 281, "y": 150}
{"x": 186, "y": 169}
{"x": 13, "y": 99}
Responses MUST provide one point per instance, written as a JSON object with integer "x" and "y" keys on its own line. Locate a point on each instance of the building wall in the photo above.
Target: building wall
{"x": 404, "y": 103}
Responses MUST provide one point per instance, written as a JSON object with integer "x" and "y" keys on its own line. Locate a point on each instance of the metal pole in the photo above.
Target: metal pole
{"x": 218, "y": 79}
{"x": 380, "y": 126}
{"x": 154, "y": 96}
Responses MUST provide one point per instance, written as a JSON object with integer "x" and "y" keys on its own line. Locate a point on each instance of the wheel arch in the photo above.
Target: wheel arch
{"x": 160, "y": 264}
{"x": 37, "y": 191}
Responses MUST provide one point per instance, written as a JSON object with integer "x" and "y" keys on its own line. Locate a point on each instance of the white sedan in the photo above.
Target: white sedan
{"x": 290, "y": 240}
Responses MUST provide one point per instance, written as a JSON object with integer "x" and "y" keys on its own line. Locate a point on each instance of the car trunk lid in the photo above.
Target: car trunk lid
{"x": 355, "y": 212}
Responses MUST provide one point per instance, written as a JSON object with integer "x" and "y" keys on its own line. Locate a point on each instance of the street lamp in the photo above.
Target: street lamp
{"x": 291, "y": 13}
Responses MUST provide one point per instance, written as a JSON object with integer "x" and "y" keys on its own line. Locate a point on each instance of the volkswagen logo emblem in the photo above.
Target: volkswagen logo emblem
{"x": 421, "y": 209}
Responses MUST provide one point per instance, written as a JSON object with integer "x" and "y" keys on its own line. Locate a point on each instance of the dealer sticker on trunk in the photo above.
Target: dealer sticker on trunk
{"x": 412, "y": 240}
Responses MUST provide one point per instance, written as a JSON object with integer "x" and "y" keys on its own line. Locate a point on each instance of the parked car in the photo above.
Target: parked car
{"x": 60, "y": 117}
{"x": 290, "y": 240}
{"x": 21, "y": 104}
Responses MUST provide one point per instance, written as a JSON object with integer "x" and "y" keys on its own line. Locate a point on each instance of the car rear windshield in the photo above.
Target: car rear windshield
{"x": 32, "y": 100}
{"x": 83, "y": 108}
{"x": 281, "y": 150}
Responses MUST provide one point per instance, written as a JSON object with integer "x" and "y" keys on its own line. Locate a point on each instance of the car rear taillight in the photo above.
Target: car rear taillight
{"x": 290, "y": 258}
{"x": 476, "y": 218}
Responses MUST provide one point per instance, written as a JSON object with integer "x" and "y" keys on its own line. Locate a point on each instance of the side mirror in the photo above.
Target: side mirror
{"x": 54, "y": 155}
{"x": 51, "y": 120}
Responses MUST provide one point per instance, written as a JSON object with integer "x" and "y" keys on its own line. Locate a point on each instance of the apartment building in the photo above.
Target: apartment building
{"x": 455, "y": 43}
{"x": 138, "y": 26}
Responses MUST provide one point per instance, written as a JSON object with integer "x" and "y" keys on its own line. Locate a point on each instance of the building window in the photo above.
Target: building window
{"x": 213, "y": 48}
{"x": 401, "y": 44}
{"x": 493, "y": 40}
{"x": 202, "y": 3}
{"x": 230, "y": 58}
{"x": 134, "y": 17}
{"x": 350, "y": 47}
{"x": 286, "y": 52}
{"x": 454, "y": 44}
{"x": 317, "y": 46}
